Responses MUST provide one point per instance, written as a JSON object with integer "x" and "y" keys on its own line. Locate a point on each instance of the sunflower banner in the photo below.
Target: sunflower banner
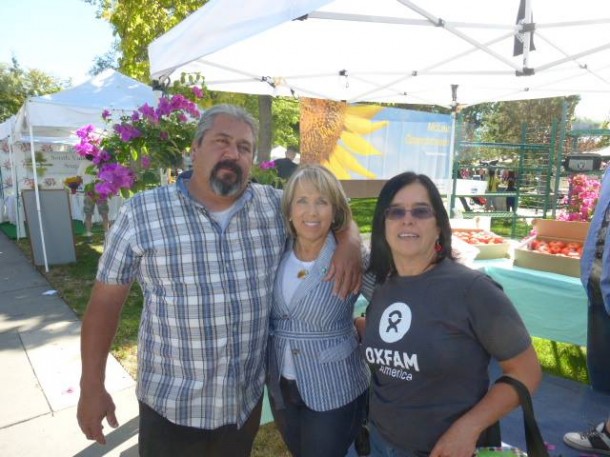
{"x": 359, "y": 142}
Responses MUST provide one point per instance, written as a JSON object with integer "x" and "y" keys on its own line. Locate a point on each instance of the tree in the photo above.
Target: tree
{"x": 286, "y": 120}
{"x": 17, "y": 84}
{"x": 137, "y": 23}
{"x": 265, "y": 103}
{"x": 106, "y": 61}
{"x": 504, "y": 122}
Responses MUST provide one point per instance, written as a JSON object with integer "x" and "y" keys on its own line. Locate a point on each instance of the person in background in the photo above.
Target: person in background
{"x": 90, "y": 201}
{"x": 595, "y": 277}
{"x": 595, "y": 440}
{"x": 204, "y": 251}
{"x": 89, "y": 204}
{"x": 492, "y": 187}
{"x": 511, "y": 182}
{"x": 286, "y": 166}
{"x": 317, "y": 377}
{"x": 431, "y": 329}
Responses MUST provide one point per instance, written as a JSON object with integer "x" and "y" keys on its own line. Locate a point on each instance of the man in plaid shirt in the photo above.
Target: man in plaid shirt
{"x": 204, "y": 252}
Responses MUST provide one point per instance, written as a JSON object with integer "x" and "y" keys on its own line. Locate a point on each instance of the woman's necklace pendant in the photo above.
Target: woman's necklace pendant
{"x": 302, "y": 273}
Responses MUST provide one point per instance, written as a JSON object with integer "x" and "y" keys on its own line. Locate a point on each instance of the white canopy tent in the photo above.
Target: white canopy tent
{"x": 400, "y": 51}
{"x": 54, "y": 118}
{"x": 436, "y": 52}
{"x": 6, "y": 127}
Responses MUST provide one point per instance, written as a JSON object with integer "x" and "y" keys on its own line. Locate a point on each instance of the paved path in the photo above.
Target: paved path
{"x": 40, "y": 371}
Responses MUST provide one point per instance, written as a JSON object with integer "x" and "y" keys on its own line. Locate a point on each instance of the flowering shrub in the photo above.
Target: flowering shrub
{"x": 125, "y": 156}
{"x": 266, "y": 173}
{"x": 581, "y": 199}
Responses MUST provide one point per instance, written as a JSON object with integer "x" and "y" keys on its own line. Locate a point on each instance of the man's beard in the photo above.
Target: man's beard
{"x": 226, "y": 186}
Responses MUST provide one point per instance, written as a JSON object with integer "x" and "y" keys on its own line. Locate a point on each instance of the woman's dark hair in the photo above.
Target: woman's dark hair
{"x": 382, "y": 263}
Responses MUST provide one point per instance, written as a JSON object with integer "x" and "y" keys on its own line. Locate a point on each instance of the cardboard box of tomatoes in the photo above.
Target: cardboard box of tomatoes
{"x": 556, "y": 247}
{"x": 490, "y": 245}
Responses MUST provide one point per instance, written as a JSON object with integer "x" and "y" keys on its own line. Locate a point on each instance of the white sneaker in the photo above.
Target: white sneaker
{"x": 595, "y": 441}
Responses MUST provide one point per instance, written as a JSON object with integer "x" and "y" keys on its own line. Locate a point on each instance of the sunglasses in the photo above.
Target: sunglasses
{"x": 396, "y": 213}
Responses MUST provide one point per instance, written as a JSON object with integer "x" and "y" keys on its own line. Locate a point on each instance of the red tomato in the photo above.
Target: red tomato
{"x": 557, "y": 244}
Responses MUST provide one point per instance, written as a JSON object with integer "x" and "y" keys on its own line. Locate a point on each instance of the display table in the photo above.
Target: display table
{"x": 553, "y": 306}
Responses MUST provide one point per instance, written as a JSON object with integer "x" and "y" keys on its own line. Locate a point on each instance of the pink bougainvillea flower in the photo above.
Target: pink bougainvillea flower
{"x": 149, "y": 113}
{"x": 102, "y": 157}
{"x": 127, "y": 132}
{"x": 120, "y": 153}
{"x": 113, "y": 177}
{"x": 86, "y": 150}
{"x": 86, "y": 131}
{"x": 267, "y": 165}
{"x": 581, "y": 199}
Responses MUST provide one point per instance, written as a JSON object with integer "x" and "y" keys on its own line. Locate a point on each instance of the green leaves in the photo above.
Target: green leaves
{"x": 16, "y": 85}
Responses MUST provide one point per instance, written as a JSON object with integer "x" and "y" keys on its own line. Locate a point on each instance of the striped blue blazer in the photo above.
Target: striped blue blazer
{"x": 318, "y": 325}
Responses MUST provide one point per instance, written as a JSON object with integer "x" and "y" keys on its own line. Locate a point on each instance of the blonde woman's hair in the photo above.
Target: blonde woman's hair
{"x": 328, "y": 185}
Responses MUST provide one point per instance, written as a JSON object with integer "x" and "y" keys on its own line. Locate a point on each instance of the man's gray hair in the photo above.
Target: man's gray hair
{"x": 207, "y": 120}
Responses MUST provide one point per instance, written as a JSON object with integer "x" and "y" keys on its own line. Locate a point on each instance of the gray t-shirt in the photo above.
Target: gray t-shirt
{"x": 429, "y": 339}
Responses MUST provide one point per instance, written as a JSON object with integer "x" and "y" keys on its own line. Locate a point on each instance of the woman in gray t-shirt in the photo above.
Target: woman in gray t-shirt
{"x": 431, "y": 329}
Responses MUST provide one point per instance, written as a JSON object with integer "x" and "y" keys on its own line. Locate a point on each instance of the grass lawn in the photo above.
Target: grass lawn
{"x": 74, "y": 282}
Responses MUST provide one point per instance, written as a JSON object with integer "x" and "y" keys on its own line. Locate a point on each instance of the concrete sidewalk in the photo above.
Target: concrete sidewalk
{"x": 40, "y": 371}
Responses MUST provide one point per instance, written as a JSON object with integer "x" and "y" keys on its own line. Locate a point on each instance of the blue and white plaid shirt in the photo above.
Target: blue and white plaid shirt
{"x": 207, "y": 297}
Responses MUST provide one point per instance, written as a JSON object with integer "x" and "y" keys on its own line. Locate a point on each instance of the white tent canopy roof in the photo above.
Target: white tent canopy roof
{"x": 399, "y": 51}
{"x": 55, "y": 117}
{"x": 6, "y": 127}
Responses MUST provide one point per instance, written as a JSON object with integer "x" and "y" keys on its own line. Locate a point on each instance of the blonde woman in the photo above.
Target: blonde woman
{"x": 317, "y": 377}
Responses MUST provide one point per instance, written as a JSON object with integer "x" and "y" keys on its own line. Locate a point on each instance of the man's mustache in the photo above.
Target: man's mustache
{"x": 227, "y": 164}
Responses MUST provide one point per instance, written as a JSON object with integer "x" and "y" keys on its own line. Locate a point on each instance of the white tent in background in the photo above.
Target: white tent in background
{"x": 6, "y": 127}
{"x": 54, "y": 118}
{"x": 401, "y": 51}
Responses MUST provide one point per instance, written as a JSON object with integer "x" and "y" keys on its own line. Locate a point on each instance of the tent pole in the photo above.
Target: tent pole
{"x": 450, "y": 186}
{"x": 19, "y": 221}
{"x": 36, "y": 193}
{"x": 451, "y": 160}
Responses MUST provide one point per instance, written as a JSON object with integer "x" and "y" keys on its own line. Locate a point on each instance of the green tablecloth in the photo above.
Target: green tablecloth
{"x": 553, "y": 306}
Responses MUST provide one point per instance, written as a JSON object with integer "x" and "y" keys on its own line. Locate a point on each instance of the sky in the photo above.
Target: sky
{"x": 59, "y": 37}
{"x": 63, "y": 37}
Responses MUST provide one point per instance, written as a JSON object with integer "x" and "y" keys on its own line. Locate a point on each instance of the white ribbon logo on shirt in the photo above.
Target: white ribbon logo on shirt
{"x": 395, "y": 322}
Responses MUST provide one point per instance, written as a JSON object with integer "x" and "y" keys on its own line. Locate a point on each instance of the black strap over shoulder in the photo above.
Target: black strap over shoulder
{"x": 533, "y": 437}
